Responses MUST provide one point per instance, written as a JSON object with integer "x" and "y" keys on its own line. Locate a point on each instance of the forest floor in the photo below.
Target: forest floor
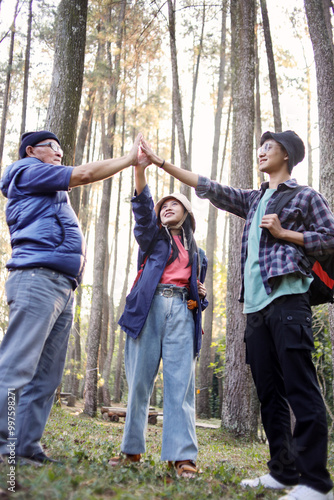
{"x": 85, "y": 445}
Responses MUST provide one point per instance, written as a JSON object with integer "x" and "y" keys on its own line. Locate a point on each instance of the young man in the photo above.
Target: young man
{"x": 47, "y": 264}
{"x": 275, "y": 284}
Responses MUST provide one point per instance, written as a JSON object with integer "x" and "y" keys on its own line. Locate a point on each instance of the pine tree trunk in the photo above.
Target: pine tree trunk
{"x": 7, "y": 87}
{"x": 119, "y": 364}
{"x": 177, "y": 96}
{"x": 271, "y": 67}
{"x": 172, "y": 148}
{"x": 94, "y": 332}
{"x": 76, "y": 193}
{"x": 205, "y": 373}
{"x": 112, "y": 313}
{"x": 258, "y": 126}
{"x": 199, "y": 49}
{"x": 309, "y": 130}
{"x": 324, "y": 64}
{"x": 103, "y": 352}
{"x": 26, "y": 70}
{"x": 237, "y": 403}
{"x": 67, "y": 75}
{"x": 328, "y": 5}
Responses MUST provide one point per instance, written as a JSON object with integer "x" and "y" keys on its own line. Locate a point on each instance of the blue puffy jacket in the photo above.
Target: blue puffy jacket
{"x": 148, "y": 236}
{"x": 43, "y": 227}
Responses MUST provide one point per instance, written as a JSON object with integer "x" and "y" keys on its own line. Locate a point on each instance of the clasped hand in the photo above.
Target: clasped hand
{"x": 273, "y": 224}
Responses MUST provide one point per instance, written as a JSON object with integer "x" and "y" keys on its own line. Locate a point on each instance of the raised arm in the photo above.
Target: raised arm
{"x": 100, "y": 170}
{"x": 140, "y": 176}
{"x": 185, "y": 176}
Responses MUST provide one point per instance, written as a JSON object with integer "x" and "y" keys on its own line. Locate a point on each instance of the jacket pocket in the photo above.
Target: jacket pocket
{"x": 298, "y": 330}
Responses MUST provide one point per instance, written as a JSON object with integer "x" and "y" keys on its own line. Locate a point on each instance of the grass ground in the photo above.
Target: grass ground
{"x": 85, "y": 446}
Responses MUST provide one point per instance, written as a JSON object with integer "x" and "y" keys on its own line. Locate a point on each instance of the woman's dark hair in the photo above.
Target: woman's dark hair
{"x": 192, "y": 245}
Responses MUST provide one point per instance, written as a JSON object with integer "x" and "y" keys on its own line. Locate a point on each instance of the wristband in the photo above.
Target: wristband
{"x": 162, "y": 164}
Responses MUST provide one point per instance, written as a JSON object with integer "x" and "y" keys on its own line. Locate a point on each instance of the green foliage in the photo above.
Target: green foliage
{"x": 322, "y": 355}
{"x": 85, "y": 445}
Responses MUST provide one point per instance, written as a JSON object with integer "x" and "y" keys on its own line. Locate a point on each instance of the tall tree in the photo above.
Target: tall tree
{"x": 177, "y": 102}
{"x": 324, "y": 63}
{"x": 258, "y": 126}
{"x": 205, "y": 373}
{"x": 26, "y": 70}
{"x": 94, "y": 332}
{"x": 114, "y": 317}
{"x": 65, "y": 97}
{"x": 328, "y": 6}
{"x": 199, "y": 49}
{"x": 271, "y": 67}
{"x": 237, "y": 413}
{"x": 67, "y": 75}
{"x": 7, "y": 86}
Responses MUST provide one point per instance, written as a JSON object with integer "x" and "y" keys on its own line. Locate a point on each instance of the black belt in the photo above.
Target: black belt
{"x": 172, "y": 291}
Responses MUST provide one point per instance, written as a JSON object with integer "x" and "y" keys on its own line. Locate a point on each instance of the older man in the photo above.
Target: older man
{"x": 47, "y": 264}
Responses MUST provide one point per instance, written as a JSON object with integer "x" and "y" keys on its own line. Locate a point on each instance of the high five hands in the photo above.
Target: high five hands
{"x": 143, "y": 155}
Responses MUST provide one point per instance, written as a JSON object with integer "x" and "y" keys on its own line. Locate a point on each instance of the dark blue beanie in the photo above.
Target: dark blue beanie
{"x": 32, "y": 138}
{"x": 291, "y": 142}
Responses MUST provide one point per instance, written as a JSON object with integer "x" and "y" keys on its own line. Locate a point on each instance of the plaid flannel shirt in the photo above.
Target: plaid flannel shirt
{"x": 308, "y": 212}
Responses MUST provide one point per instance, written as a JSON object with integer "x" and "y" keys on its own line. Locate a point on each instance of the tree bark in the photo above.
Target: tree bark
{"x": 258, "y": 126}
{"x": 172, "y": 147}
{"x": 328, "y": 5}
{"x": 205, "y": 373}
{"x": 7, "y": 87}
{"x": 177, "y": 96}
{"x": 271, "y": 68}
{"x": 94, "y": 332}
{"x": 119, "y": 364}
{"x": 309, "y": 129}
{"x": 324, "y": 64}
{"x": 114, "y": 319}
{"x": 26, "y": 71}
{"x": 237, "y": 403}
{"x": 67, "y": 75}
{"x": 195, "y": 81}
{"x": 76, "y": 193}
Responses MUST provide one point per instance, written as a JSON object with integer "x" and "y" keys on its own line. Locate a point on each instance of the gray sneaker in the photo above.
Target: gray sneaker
{"x": 303, "y": 492}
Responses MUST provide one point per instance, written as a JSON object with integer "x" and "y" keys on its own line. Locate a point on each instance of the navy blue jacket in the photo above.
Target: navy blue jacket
{"x": 44, "y": 229}
{"x": 148, "y": 236}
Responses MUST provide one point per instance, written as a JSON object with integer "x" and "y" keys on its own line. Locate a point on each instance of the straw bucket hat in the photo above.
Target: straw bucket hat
{"x": 183, "y": 200}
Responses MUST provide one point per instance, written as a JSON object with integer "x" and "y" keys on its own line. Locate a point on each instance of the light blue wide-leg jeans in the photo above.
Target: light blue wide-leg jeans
{"x": 168, "y": 334}
{"x": 33, "y": 351}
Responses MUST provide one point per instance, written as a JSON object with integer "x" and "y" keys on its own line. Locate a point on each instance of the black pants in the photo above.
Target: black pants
{"x": 279, "y": 342}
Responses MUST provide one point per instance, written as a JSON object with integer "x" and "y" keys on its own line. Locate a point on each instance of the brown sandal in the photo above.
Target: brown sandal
{"x": 124, "y": 459}
{"x": 186, "y": 468}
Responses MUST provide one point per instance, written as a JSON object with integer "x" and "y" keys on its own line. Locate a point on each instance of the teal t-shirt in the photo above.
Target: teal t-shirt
{"x": 255, "y": 296}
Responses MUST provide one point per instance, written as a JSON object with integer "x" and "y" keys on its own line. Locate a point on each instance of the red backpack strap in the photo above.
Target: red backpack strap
{"x": 139, "y": 272}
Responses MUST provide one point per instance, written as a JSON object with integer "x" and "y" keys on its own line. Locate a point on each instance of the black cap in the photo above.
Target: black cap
{"x": 32, "y": 138}
{"x": 291, "y": 142}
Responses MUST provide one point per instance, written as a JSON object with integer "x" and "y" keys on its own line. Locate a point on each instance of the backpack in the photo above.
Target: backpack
{"x": 321, "y": 268}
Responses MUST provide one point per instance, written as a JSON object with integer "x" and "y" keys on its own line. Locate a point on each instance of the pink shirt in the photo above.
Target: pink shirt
{"x": 177, "y": 273}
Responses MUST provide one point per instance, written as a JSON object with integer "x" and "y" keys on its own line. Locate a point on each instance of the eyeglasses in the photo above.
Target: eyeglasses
{"x": 55, "y": 147}
{"x": 265, "y": 148}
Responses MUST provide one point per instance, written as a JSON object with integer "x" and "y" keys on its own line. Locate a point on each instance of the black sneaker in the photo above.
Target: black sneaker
{"x": 40, "y": 459}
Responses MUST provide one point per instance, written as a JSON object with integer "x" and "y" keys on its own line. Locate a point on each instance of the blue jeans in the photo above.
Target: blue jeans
{"x": 33, "y": 352}
{"x": 168, "y": 334}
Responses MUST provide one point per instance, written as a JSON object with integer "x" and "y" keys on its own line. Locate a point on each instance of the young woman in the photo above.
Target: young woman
{"x": 162, "y": 319}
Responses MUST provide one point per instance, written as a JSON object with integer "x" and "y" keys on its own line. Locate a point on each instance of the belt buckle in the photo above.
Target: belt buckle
{"x": 167, "y": 292}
